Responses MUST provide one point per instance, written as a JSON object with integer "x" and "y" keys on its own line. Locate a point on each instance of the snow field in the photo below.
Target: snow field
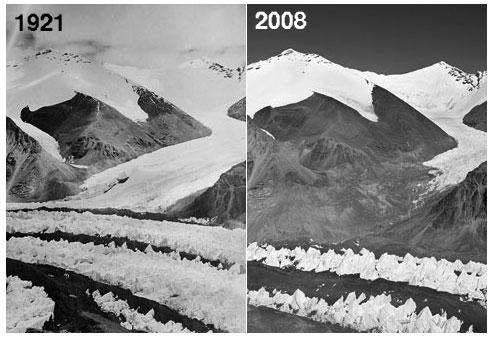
{"x": 28, "y": 306}
{"x": 375, "y": 314}
{"x": 291, "y": 77}
{"x": 192, "y": 288}
{"x": 133, "y": 319}
{"x": 213, "y": 243}
{"x": 427, "y": 271}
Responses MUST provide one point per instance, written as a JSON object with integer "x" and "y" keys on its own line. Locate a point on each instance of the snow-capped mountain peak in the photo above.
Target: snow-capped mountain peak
{"x": 292, "y": 76}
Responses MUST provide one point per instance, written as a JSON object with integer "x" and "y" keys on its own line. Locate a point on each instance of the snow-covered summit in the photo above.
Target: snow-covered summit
{"x": 292, "y": 76}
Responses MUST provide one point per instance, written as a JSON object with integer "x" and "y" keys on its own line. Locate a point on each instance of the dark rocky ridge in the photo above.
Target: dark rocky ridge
{"x": 32, "y": 173}
{"x": 330, "y": 174}
{"x": 477, "y": 117}
{"x": 166, "y": 122}
{"x": 224, "y": 201}
{"x": 237, "y": 110}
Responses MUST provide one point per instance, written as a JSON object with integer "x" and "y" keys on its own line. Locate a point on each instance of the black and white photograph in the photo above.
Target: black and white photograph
{"x": 367, "y": 168}
{"x": 125, "y": 168}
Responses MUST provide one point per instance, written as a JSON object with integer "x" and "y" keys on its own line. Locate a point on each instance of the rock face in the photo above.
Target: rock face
{"x": 237, "y": 110}
{"x": 477, "y": 117}
{"x": 224, "y": 201}
{"x": 454, "y": 226}
{"x": 319, "y": 169}
{"x": 166, "y": 122}
{"x": 32, "y": 173}
{"x": 92, "y": 133}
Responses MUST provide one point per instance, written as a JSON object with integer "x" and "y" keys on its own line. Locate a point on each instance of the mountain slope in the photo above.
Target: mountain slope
{"x": 168, "y": 123}
{"x": 477, "y": 117}
{"x": 224, "y": 201}
{"x": 109, "y": 120}
{"x": 330, "y": 173}
{"x": 237, "y": 110}
{"x": 442, "y": 93}
{"x": 453, "y": 225}
{"x": 32, "y": 173}
{"x": 91, "y": 133}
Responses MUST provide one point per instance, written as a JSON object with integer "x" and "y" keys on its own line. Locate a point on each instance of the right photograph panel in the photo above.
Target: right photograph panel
{"x": 367, "y": 168}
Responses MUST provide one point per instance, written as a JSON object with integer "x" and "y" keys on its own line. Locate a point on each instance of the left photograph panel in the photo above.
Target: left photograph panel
{"x": 125, "y": 163}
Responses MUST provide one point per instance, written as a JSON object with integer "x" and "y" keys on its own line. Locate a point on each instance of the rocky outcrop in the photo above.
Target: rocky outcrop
{"x": 237, "y": 110}
{"x": 477, "y": 117}
{"x": 32, "y": 173}
{"x": 166, "y": 122}
{"x": 224, "y": 202}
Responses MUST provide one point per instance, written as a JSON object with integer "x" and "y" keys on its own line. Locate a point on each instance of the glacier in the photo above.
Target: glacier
{"x": 373, "y": 314}
{"x": 192, "y": 288}
{"x": 468, "y": 279}
{"x": 133, "y": 319}
{"x": 213, "y": 243}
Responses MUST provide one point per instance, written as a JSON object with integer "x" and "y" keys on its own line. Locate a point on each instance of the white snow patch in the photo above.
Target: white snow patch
{"x": 47, "y": 142}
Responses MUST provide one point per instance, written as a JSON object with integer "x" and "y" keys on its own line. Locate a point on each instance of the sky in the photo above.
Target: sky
{"x": 137, "y": 35}
{"x": 387, "y": 39}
